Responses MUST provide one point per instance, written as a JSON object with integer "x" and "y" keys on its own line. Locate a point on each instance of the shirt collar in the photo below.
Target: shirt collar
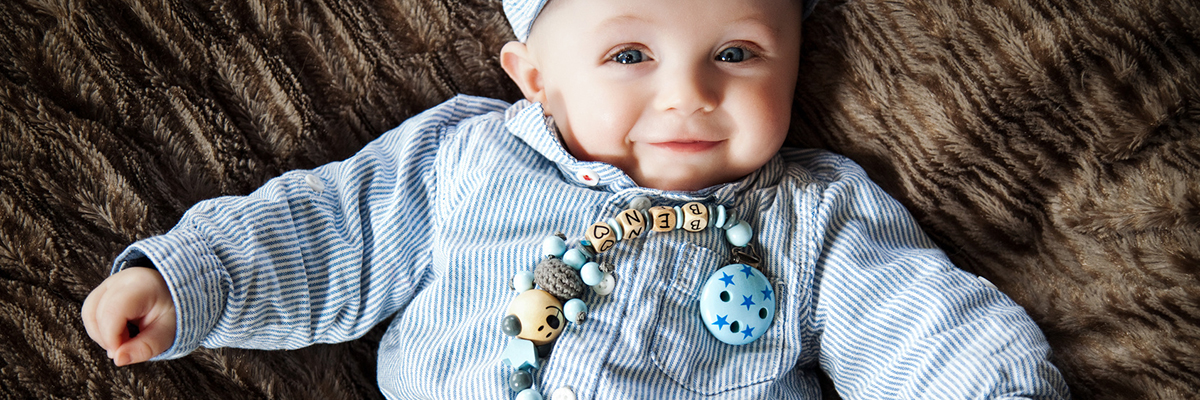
{"x": 527, "y": 121}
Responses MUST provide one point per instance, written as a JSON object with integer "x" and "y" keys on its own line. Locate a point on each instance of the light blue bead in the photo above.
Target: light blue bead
{"x": 529, "y": 394}
{"x": 612, "y": 223}
{"x": 720, "y": 222}
{"x": 678, "y": 218}
{"x": 554, "y": 246}
{"x": 522, "y": 281}
{"x": 575, "y": 310}
{"x": 520, "y": 353}
{"x": 739, "y": 235}
{"x": 574, "y": 258}
{"x": 591, "y": 274}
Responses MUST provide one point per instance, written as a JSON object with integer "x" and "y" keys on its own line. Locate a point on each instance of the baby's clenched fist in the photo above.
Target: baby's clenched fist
{"x": 135, "y": 297}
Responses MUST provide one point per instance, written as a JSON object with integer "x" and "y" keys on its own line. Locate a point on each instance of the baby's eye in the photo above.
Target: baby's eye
{"x": 629, "y": 56}
{"x": 732, "y": 54}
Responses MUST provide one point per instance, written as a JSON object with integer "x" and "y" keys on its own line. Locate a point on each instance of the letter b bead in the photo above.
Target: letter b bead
{"x": 695, "y": 217}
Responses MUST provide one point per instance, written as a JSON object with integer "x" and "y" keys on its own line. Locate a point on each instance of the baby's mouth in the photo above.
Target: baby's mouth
{"x": 687, "y": 146}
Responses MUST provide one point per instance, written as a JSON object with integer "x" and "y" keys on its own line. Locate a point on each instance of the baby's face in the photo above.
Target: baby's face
{"x": 680, "y": 94}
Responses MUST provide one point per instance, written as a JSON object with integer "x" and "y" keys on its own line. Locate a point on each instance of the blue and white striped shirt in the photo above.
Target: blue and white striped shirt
{"x": 429, "y": 223}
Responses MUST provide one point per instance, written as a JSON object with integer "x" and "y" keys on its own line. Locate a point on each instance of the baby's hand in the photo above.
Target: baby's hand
{"x": 135, "y": 297}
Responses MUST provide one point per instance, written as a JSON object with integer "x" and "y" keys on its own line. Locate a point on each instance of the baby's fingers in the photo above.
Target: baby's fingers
{"x": 89, "y": 315}
{"x": 156, "y": 335}
{"x": 114, "y": 310}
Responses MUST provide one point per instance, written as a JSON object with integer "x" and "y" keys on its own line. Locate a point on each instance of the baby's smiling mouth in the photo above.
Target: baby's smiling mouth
{"x": 687, "y": 146}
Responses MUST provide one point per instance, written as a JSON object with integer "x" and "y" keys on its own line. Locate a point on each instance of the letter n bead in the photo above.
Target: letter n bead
{"x": 695, "y": 217}
{"x": 601, "y": 236}
{"x": 662, "y": 219}
{"x": 633, "y": 223}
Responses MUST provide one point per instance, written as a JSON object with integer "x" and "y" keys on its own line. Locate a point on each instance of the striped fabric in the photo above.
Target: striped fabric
{"x": 521, "y": 13}
{"x": 429, "y": 222}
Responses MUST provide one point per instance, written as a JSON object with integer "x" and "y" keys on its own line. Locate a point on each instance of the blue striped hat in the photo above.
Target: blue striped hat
{"x": 521, "y": 13}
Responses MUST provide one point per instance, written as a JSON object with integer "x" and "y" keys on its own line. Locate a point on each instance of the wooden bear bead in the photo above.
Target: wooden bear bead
{"x": 540, "y": 315}
{"x": 601, "y": 236}
{"x": 695, "y": 217}
{"x": 662, "y": 219}
{"x": 633, "y": 223}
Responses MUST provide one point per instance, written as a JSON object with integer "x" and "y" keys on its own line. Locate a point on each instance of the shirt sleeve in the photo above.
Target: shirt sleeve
{"x": 898, "y": 321}
{"x": 312, "y": 256}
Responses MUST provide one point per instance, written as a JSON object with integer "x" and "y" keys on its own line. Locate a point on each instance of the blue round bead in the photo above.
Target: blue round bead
{"x": 529, "y": 394}
{"x": 575, "y": 310}
{"x": 574, "y": 258}
{"x": 739, "y": 235}
{"x": 591, "y": 274}
{"x": 554, "y": 246}
{"x": 522, "y": 281}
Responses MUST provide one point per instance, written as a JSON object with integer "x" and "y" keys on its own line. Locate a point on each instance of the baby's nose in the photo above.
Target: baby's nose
{"x": 687, "y": 91}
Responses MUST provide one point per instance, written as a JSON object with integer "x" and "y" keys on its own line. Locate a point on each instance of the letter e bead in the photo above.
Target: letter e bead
{"x": 662, "y": 219}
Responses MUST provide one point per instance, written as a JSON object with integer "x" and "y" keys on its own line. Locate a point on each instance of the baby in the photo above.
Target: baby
{"x": 702, "y": 258}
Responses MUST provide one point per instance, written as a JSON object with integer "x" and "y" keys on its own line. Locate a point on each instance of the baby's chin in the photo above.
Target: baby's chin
{"x": 678, "y": 183}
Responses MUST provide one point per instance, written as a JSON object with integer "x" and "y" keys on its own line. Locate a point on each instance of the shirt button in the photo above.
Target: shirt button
{"x": 563, "y": 393}
{"x": 588, "y": 176}
{"x": 314, "y": 183}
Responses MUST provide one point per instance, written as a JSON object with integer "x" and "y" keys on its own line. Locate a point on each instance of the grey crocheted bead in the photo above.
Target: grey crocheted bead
{"x": 558, "y": 278}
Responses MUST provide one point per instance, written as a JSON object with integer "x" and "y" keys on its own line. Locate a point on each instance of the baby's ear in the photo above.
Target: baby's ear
{"x": 523, "y": 69}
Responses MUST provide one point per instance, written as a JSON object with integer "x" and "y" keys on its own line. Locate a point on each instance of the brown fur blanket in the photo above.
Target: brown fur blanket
{"x": 1052, "y": 146}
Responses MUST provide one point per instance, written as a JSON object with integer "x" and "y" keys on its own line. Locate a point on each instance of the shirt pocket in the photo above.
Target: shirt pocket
{"x": 684, "y": 349}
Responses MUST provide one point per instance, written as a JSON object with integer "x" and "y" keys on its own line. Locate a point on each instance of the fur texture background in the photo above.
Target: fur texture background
{"x": 1052, "y": 146}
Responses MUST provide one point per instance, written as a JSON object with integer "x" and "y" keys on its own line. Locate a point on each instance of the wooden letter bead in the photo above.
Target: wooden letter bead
{"x": 695, "y": 217}
{"x": 601, "y": 236}
{"x": 633, "y": 223}
{"x": 662, "y": 219}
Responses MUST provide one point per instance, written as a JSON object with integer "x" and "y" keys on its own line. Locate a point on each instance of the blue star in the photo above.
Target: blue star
{"x": 748, "y": 332}
{"x": 721, "y": 322}
{"x": 748, "y": 270}
{"x": 728, "y": 279}
{"x": 520, "y": 353}
{"x": 767, "y": 293}
{"x": 747, "y": 302}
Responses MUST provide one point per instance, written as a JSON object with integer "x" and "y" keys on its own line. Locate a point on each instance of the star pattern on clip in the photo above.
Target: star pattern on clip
{"x": 748, "y": 270}
{"x": 746, "y": 301}
{"x": 767, "y": 293}
{"x": 748, "y": 332}
{"x": 728, "y": 279}
{"x": 721, "y": 322}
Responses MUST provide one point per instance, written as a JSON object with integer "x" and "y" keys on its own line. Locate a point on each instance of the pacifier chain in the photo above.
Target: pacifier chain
{"x": 737, "y": 303}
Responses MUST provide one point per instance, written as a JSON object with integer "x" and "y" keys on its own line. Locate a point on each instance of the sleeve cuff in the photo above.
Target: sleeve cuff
{"x": 197, "y": 281}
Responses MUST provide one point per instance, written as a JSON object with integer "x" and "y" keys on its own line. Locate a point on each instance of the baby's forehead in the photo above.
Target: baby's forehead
{"x": 522, "y": 13}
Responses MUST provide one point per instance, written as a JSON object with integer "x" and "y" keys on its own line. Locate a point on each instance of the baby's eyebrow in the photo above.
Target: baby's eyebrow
{"x": 620, "y": 19}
